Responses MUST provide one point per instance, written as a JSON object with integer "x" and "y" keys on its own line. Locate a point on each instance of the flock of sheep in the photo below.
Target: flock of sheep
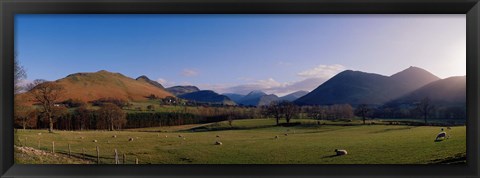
{"x": 339, "y": 152}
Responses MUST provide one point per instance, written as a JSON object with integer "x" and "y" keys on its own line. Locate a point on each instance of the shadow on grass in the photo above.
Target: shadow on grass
{"x": 208, "y": 129}
{"x": 393, "y": 129}
{"x": 459, "y": 158}
{"x": 331, "y": 156}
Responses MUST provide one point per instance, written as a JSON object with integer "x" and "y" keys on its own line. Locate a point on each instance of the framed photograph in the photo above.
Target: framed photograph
{"x": 205, "y": 88}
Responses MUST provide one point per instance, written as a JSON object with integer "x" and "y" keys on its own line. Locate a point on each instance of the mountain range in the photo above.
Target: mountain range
{"x": 347, "y": 87}
{"x": 356, "y": 87}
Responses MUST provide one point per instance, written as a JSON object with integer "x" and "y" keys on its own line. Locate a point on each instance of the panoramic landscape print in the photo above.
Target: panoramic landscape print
{"x": 240, "y": 89}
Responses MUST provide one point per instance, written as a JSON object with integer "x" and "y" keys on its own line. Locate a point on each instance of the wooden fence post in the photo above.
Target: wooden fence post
{"x": 39, "y": 144}
{"x": 53, "y": 146}
{"x": 124, "y": 158}
{"x": 69, "y": 151}
{"x": 136, "y": 160}
{"x": 98, "y": 156}
{"x": 83, "y": 153}
{"x": 26, "y": 138}
{"x": 116, "y": 156}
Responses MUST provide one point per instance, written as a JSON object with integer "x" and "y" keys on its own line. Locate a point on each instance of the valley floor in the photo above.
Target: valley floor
{"x": 253, "y": 141}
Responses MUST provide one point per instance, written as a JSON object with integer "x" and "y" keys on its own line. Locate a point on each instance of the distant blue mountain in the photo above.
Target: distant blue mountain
{"x": 207, "y": 96}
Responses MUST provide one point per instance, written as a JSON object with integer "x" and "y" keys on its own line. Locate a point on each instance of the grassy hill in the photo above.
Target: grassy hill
{"x": 253, "y": 142}
{"x": 104, "y": 84}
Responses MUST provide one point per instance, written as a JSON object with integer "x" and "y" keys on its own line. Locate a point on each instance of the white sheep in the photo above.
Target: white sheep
{"x": 180, "y": 136}
{"x": 286, "y": 134}
{"x": 95, "y": 141}
{"x": 276, "y": 137}
{"x": 442, "y": 135}
{"x": 218, "y": 143}
{"x": 114, "y": 136}
{"x": 341, "y": 152}
{"x": 130, "y": 139}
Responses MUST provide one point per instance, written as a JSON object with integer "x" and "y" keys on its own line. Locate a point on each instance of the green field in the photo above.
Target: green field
{"x": 253, "y": 142}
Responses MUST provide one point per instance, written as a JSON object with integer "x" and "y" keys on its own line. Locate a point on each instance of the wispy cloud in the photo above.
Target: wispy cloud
{"x": 308, "y": 81}
{"x": 189, "y": 72}
{"x": 272, "y": 86}
{"x": 322, "y": 71}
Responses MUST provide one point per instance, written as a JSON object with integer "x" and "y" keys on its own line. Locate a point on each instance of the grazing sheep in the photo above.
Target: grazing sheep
{"x": 441, "y": 136}
{"x": 218, "y": 136}
{"x": 341, "y": 152}
{"x": 184, "y": 138}
{"x": 82, "y": 138}
{"x": 130, "y": 139}
{"x": 449, "y": 128}
{"x": 39, "y": 133}
{"x": 114, "y": 136}
{"x": 276, "y": 137}
{"x": 180, "y": 136}
{"x": 218, "y": 143}
{"x": 95, "y": 141}
{"x": 286, "y": 134}
{"x": 166, "y": 136}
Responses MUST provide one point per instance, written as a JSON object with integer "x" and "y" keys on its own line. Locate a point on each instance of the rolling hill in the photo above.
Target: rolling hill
{"x": 180, "y": 90}
{"x": 207, "y": 96}
{"x": 104, "y": 84}
{"x": 446, "y": 92}
{"x": 146, "y": 79}
{"x": 257, "y": 98}
{"x": 356, "y": 87}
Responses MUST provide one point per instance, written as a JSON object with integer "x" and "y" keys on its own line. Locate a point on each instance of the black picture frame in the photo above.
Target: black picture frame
{"x": 9, "y": 8}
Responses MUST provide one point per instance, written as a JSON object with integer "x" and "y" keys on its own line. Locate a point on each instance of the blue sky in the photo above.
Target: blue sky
{"x": 239, "y": 53}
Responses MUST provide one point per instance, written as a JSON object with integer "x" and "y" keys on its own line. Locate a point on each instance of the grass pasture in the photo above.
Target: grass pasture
{"x": 253, "y": 142}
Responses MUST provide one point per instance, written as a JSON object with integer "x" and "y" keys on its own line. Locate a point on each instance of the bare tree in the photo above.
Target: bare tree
{"x": 363, "y": 111}
{"x": 33, "y": 84}
{"x": 289, "y": 110}
{"x": 19, "y": 76}
{"x": 425, "y": 108}
{"x": 82, "y": 114}
{"x": 274, "y": 109}
{"x": 112, "y": 115}
{"x": 47, "y": 94}
{"x": 22, "y": 114}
